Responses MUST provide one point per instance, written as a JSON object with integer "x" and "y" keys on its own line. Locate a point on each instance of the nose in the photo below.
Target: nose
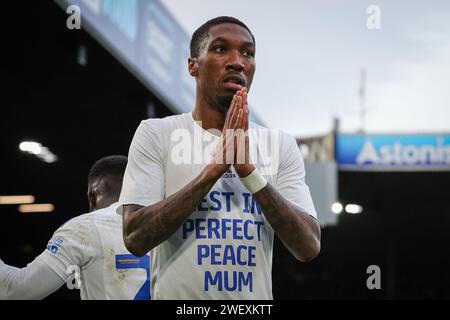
{"x": 235, "y": 61}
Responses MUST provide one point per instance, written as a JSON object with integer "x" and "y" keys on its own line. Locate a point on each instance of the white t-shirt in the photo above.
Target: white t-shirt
{"x": 224, "y": 249}
{"x": 93, "y": 244}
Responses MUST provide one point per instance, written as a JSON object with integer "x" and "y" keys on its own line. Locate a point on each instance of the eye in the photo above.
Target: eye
{"x": 248, "y": 53}
{"x": 219, "y": 49}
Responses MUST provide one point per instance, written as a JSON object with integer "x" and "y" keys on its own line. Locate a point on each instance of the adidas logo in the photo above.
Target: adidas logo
{"x": 229, "y": 174}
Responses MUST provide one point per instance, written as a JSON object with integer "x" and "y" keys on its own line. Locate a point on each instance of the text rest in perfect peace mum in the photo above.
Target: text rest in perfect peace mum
{"x": 230, "y": 255}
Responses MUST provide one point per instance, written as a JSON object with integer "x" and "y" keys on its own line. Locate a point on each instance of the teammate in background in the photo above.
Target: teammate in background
{"x": 87, "y": 251}
{"x": 210, "y": 224}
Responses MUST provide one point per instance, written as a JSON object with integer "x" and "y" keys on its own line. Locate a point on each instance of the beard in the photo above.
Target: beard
{"x": 223, "y": 103}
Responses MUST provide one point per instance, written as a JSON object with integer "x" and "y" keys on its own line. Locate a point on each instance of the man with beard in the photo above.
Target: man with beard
{"x": 205, "y": 191}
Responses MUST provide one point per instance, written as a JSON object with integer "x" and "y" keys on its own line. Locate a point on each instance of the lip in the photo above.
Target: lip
{"x": 233, "y": 86}
{"x": 234, "y": 82}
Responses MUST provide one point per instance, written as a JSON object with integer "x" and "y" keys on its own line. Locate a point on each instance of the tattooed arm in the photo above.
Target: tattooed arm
{"x": 298, "y": 230}
{"x": 146, "y": 227}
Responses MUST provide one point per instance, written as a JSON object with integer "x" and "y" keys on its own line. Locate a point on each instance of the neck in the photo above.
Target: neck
{"x": 103, "y": 201}
{"x": 209, "y": 115}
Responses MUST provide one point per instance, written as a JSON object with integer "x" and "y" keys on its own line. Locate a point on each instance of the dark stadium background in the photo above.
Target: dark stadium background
{"x": 84, "y": 113}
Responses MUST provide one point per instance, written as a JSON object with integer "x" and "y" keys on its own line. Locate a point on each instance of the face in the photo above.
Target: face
{"x": 225, "y": 64}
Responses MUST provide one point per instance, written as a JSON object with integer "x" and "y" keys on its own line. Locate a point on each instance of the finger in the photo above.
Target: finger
{"x": 246, "y": 116}
{"x": 241, "y": 107}
{"x": 230, "y": 112}
{"x": 238, "y": 108}
{"x": 238, "y": 129}
{"x": 237, "y": 134}
{"x": 240, "y": 141}
{"x": 231, "y": 125}
{"x": 234, "y": 102}
{"x": 228, "y": 131}
{"x": 244, "y": 96}
{"x": 247, "y": 135}
{"x": 238, "y": 123}
{"x": 230, "y": 145}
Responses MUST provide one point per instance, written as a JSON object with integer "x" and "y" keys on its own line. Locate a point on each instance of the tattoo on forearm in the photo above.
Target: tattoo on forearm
{"x": 154, "y": 224}
{"x": 297, "y": 229}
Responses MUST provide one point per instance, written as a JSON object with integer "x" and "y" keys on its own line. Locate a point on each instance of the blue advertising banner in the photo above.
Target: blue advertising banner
{"x": 393, "y": 152}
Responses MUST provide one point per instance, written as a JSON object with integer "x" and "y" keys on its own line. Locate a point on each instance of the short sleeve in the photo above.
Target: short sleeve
{"x": 291, "y": 176}
{"x": 72, "y": 244}
{"x": 144, "y": 182}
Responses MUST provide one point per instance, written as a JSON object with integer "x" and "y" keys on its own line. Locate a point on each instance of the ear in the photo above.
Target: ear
{"x": 193, "y": 67}
{"x": 92, "y": 198}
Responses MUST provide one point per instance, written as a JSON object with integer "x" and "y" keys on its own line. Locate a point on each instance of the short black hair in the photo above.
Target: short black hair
{"x": 108, "y": 166}
{"x": 201, "y": 34}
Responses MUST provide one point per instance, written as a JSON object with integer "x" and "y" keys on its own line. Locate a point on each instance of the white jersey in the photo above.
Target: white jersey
{"x": 224, "y": 249}
{"x": 92, "y": 244}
